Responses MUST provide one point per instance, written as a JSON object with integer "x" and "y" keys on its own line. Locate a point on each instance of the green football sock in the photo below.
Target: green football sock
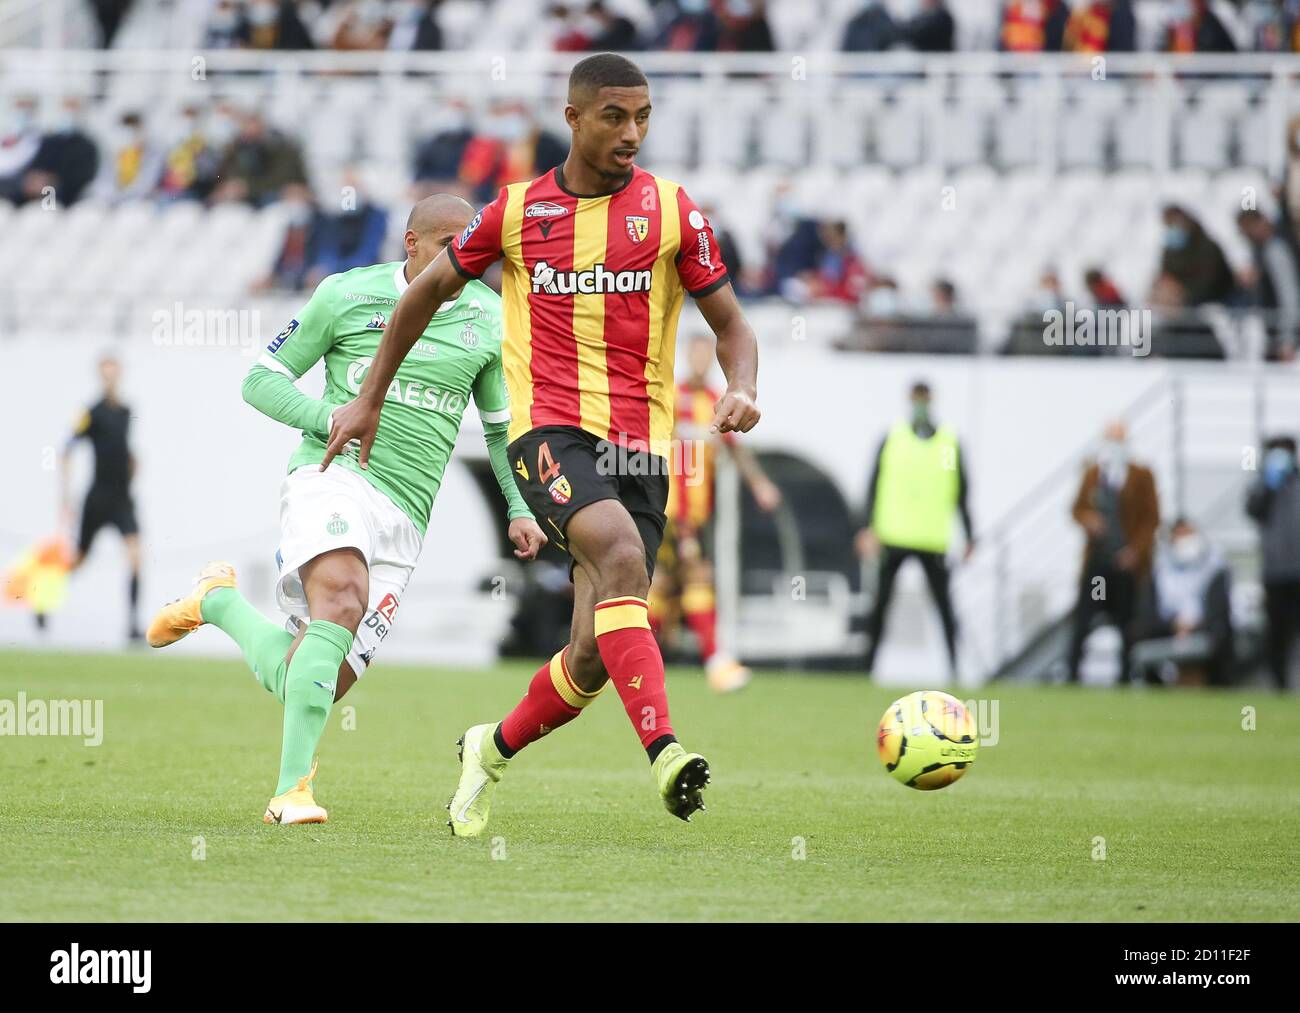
{"x": 308, "y": 697}
{"x": 263, "y": 642}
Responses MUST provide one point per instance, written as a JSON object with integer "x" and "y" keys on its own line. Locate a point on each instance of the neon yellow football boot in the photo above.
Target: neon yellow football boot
{"x": 297, "y": 805}
{"x": 182, "y": 617}
{"x": 681, "y": 776}
{"x": 481, "y": 767}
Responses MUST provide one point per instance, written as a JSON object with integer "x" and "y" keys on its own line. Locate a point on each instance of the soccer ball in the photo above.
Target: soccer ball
{"x": 927, "y": 739}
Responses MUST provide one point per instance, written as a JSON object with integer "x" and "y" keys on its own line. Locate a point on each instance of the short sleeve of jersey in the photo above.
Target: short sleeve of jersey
{"x": 699, "y": 262}
{"x": 490, "y": 393}
{"x": 479, "y": 246}
{"x": 306, "y": 337}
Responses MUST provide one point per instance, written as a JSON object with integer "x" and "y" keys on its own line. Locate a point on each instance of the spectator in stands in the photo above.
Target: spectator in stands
{"x": 20, "y": 140}
{"x": 1047, "y": 297}
{"x": 295, "y": 263}
{"x": 362, "y": 24}
{"x": 1101, "y": 26}
{"x": 1194, "y": 260}
{"x": 690, "y": 27}
{"x": 67, "y": 158}
{"x": 415, "y": 26}
{"x": 918, "y": 486}
{"x": 134, "y": 164}
{"x": 572, "y": 32}
{"x": 438, "y": 159}
{"x": 510, "y": 147}
{"x": 258, "y": 163}
{"x": 1186, "y": 619}
{"x": 932, "y": 30}
{"x": 871, "y": 30}
{"x": 1273, "y": 281}
{"x": 227, "y": 27}
{"x": 1274, "y": 503}
{"x": 351, "y": 237}
{"x": 943, "y": 299}
{"x": 1033, "y": 26}
{"x": 744, "y": 28}
{"x": 1105, "y": 293}
{"x": 1274, "y": 25}
{"x": 190, "y": 161}
{"x": 839, "y": 273}
{"x": 612, "y": 33}
{"x": 1193, "y": 28}
{"x": 883, "y": 301}
{"x": 109, "y": 14}
{"x": 1119, "y": 511}
{"x": 275, "y": 24}
{"x": 1289, "y": 191}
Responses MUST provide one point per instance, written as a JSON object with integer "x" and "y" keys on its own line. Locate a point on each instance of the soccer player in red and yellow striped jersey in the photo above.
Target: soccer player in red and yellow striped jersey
{"x": 599, "y": 255}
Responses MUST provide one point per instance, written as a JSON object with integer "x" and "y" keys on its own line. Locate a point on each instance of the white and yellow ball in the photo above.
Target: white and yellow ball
{"x": 927, "y": 739}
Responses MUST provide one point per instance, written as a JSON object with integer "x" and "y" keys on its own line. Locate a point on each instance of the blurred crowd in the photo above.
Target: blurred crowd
{"x": 1087, "y": 26}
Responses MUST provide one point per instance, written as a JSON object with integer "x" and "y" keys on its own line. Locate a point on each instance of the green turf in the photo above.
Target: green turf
{"x": 1200, "y": 818}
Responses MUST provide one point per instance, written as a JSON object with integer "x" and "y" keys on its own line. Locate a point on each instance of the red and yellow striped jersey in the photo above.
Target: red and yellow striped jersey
{"x": 591, "y": 290}
{"x": 690, "y": 486}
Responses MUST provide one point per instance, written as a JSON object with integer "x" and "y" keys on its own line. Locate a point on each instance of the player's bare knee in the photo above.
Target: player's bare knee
{"x": 343, "y": 605}
{"x": 623, "y": 570}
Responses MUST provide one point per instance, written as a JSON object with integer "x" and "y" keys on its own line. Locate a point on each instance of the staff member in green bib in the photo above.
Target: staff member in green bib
{"x": 917, "y": 484}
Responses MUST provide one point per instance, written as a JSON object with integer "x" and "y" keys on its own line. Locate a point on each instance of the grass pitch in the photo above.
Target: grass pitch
{"x": 1199, "y": 817}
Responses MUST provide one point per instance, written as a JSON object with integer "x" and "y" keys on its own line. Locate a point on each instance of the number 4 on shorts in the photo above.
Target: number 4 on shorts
{"x": 547, "y": 469}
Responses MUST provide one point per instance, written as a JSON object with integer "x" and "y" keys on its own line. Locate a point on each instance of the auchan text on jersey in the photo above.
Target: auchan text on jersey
{"x": 596, "y": 280}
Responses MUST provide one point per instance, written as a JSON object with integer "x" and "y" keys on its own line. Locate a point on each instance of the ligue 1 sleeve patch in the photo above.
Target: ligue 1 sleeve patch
{"x": 282, "y": 337}
{"x": 469, "y": 230}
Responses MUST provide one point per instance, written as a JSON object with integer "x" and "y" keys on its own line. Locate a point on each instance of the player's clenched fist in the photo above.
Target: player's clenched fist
{"x": 357, "y": 421}
{"x": 527, "y": 537}
{"x": 737, "y": 412}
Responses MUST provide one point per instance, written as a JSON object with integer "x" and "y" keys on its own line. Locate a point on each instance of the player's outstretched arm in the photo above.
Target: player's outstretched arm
{"x": 359, "y": 419}
{"x": 738, "y": 356}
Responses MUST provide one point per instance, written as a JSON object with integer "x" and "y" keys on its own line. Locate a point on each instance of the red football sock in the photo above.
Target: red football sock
{"x": 701, "y": 617}
{"x": 552, "y": 700}
{"x": 635, "y": 666}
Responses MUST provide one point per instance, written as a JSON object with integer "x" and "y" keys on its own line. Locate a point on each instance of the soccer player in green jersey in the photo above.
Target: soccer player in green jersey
{"x": 351, "y": 534}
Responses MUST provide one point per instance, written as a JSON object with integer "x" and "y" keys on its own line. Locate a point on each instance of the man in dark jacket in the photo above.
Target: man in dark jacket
{"x": 1194, "y": 260}
{"x": 871, "y": 30}
{"x": 1274, "y": 502}
{"x": 933, "y": 30}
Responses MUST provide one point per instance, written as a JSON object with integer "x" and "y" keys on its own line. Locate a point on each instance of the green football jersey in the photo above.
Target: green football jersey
{"x": 458, "y": 357}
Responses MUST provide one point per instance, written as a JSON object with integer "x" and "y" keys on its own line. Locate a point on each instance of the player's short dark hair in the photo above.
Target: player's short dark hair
{"x": 603, "y": 70}
{"x": 920, "y": 389}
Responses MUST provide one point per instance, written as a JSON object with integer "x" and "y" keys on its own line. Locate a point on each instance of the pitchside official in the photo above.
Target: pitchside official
{"x": 108, "y": 502}
{"x": 917, "y": 485}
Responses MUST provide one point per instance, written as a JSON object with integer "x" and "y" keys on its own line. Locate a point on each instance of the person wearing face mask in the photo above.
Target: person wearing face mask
{"x": 1273, "y": 501}
{"x": 691, "y": 27}
{"x": 228, "y": 28}
{"x": 1186, "y": 620}
{"x": 415, "y": 26}
{"x": 1193, "y": 28}
{"x": 1194, "y": 260}
{"x": 134, "y": 165}
{"x": 298, "y": 251}
{"x": 68, "y": 158}
{"x": 1119, "y": 510}
{"x": 918, "y": 485}
{"x": 277, "y": 24}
